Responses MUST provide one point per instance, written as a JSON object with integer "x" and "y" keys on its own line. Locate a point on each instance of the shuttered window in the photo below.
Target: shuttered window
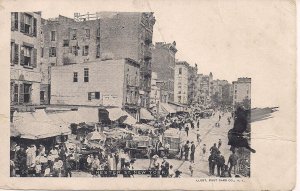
{"x": 27, "y": 93}
{"x": 14, "y": 21}
{"x": 16, "y": 93}
{"x": 21, "y": 97}
{"x": 16, "y": 54}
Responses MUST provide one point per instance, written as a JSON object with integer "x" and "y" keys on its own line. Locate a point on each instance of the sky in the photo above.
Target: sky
{"x": 230, "y": 38}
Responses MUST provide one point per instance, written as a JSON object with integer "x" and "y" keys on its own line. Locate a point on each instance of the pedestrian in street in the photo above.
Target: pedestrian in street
{"x": 203, "y": 151}
{"x": 68, "y": 167}
{"x": 181, "y": 151}
{"x": 122, "y": 156}
{"x": 220, "y": 143}
{"x": 95, "y": 165}
{"x": 117, "y": 159}
{"x": 191, "y": 168}
{"x": 198, "y": 124}
{"x": 186, "y": 150}
{"x": 187, "y": 130}
{"x": 220, "y": 162}
{"x": 192, "y": 124}
{"x": 220, "y": 117}
{"x": 214, "y": 149}
{"x": 193, "y": 149}
{"x": 232, "y": 161}
{"x": 165, "y": 168}
{"x": 212, "y": 163}
{"x": 198, "y": 136}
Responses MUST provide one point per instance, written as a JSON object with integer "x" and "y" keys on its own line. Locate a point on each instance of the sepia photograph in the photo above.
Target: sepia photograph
{"x": 204, "y": 91}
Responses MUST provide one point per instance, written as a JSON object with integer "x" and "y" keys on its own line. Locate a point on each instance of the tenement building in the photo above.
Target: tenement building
{"x": 163, "y": 64}
{"x": 181, "y": 82}
{"x": 25, "y": 77}
{"x": 98, "y": 37}
{"x": 242, "y": 91}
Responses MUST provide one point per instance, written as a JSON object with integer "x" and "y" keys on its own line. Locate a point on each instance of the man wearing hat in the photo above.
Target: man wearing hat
{"x": 193, "y": 149}
{"x": 165, "y": 168}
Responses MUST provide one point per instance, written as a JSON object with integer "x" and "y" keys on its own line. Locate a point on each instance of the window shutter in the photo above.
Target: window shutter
{"x": 16, "y": 21}
{"x": 11, "y": 92}
{"x": 22, "y": 56}
{"x": 89, "y": 96}
{"x": 83, "y": 51}
{"x": 12, "y": 21}
{"x": 22, "y": 23}
{"x": 34, "y": 26}
{"x": 34, "y": 58}
{"x": 50, "y": 52}
{"x": 16, "y": 56}
{"x": 97, "y": 95}
{"x": 21, "y": 98}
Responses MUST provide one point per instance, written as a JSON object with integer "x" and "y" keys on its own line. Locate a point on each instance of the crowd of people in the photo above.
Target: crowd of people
{"x": 42, "y": 162}
{"x": 61, "y": 161}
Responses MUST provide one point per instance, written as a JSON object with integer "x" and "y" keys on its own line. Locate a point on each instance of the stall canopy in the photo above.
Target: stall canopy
{"x": 66, "y": 117}
{"x": 117, "y": 113}
{"x": 37, "y": 125}
{"x": 89, "y": 114}
{"x": 167, "y": 108}
{"x": 96, "y": 136}
{"x": 145, "y": 114}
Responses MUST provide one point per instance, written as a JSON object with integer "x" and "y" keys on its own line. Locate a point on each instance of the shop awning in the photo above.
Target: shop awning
{"x": 117, "y": 113}
{"x": 67, "y": 117}
{"x": 37, "y": 125}
{"x": 145, "y": 114}
{"x": 88, "y": 114}
{"x": 130, "y": 120}
{"x": 167, "y": 108}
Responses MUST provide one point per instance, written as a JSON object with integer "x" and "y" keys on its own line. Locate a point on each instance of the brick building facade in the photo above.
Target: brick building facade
{"x": 107, "y": 35}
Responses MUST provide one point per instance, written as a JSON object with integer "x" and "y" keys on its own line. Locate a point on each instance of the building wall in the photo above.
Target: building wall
{"x": 112, "y": 36}
{"x": 192, "y": 87}
{"x": 155, "y": 93}
{"x": 181, "y": 83}
{"x": 107, "y": 77}
{"x": 241, "y": 90}
{"x": 163, "y": 63}
{"x": 21, "y": 74}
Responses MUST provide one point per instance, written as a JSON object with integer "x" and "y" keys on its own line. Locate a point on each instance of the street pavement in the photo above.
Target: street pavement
{"x": 209, "y": 135}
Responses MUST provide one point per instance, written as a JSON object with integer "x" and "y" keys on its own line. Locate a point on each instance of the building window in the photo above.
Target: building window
{"x": 73, "y": 34}
{"x": 42, "y": 52}
{"x": 66, "y": 43}
{"x": 28, "y": 24}
{"x": 87, "y": 33}
{"x": 16, "y": 93}
{"x": 74, "y": 50}
{"x": 85, "y": 51}
{"x": 86, "y": 75}
{"x": 180, "y": 71}
{"x": 28, "y": 56}
{"x": 97, "y": 95}
{"x": 27, "y": 92}
{"x": 75, "y": 77}
{"x": 93, "y": 95}
{"x": 98, "y": 51}
{"x": 52, "y": 35}
{"x": 52, "y": 52}
{"x": 42, "y": 96}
